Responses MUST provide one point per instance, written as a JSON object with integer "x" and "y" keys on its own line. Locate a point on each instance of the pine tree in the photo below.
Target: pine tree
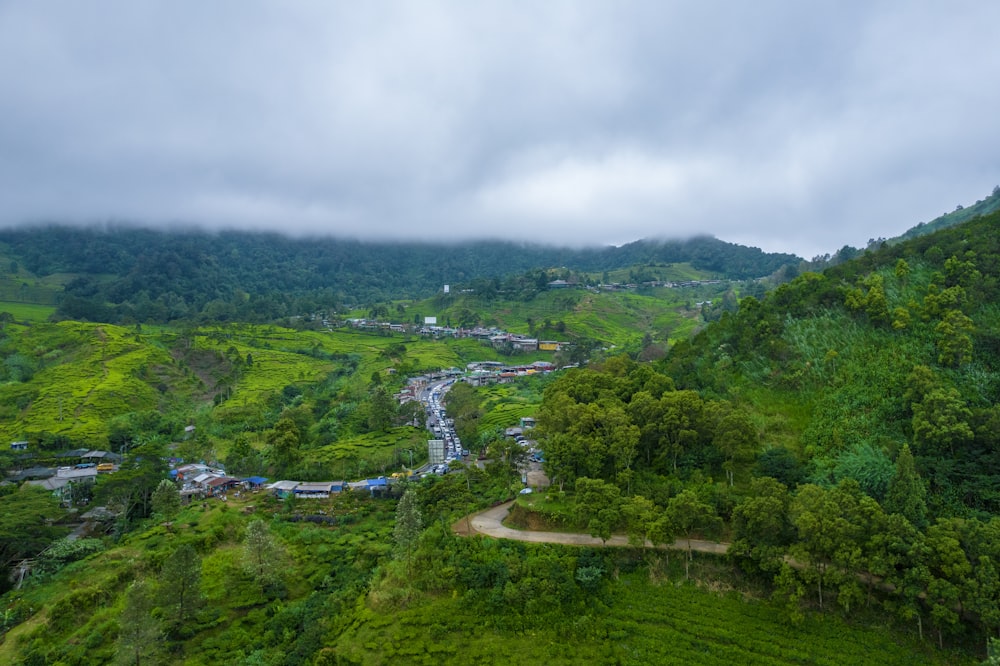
{"x": 408, "y": 525}
{"x": 906, "y": 490}
{"x": 180, "y": 584}
{"x": 139, "y": 636}
{"x": 382, "y": 410}
{"x": 166, "y": 499}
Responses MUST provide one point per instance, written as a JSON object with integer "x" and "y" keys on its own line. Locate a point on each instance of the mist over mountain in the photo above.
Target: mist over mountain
{"x": 169, "y": 275}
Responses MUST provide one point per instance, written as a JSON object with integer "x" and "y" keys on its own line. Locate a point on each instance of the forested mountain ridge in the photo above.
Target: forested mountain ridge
{"x": 129, "y": 274}
{"x": 901, "y": 345}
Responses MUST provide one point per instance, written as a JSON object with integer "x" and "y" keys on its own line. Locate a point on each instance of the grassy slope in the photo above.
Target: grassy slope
{"x": 835, "y": 388}
{"x": 618, "y": 318}
{"x": 76, "y": 610}
{"x": 31, "y": 312}
{"x": 89, "y": 373}
{"x": 646, "y": 623}
{"x": 961, "y": 214}
{"x": 638, "y": 621}
{"x": 505, "y": 404}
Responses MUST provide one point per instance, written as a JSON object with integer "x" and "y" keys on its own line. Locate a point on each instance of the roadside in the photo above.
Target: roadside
{"x": 490, "y": 523}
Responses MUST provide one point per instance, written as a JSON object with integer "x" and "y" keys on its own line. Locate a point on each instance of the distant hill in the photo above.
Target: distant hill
{"x": 129, "y": 274}
{"x": 957, "y": 216}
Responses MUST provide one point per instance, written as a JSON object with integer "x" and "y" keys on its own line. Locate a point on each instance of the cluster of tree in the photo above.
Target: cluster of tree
{"x": 29, "y": 524}
{"x": 838, "y": 543}
{"x": 619, "y": 418}
{"x": 156, "y": 277}
{"x": 828, "y": 544}
{"x": 894, "y": 350}
{"x": 736, "y": 262}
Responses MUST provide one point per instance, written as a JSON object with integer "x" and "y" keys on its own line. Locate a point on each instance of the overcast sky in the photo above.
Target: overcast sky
{"x": 790, "y": 126}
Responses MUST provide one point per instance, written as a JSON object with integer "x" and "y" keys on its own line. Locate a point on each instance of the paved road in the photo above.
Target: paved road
{"x": 490, "y": 523}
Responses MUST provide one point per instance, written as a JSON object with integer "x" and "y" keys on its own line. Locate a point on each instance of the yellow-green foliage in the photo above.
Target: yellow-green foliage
{"x": 645, "y": 623}
{"x": 89, "y": 373}
{"x": 271, "y": 371}
{"x": 384, "y": 448}
{"x": 27, "y": 311}
{"x": 504, "y": 405}
{"x": 612, "y": 317}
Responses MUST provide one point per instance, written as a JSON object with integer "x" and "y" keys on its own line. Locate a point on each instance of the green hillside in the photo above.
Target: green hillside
{"x": 619, "y": 318}
{"x": 846, "y": 361}
{"x": 333, "y": 595}
{"x": 837, "y": 436}
{"x": 70, "y": 379}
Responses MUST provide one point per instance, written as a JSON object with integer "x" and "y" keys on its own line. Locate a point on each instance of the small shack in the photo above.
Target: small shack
{"x": 254, "y": 482}
{"x": 221, "y": 484}
{"x": 283, "y": 489}
{"x": 314, "y": 489}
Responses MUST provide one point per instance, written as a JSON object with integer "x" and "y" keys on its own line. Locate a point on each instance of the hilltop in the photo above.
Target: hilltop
{"x": 961, "y": 213}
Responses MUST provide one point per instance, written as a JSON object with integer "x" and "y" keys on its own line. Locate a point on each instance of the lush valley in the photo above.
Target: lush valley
{"x": 838, "y": 431}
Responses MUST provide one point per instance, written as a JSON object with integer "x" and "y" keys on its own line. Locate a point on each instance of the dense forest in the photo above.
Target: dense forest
{"x": 838, "y": 436}
{"x": 137, "y": 275}
{"x": 847, "y": 420}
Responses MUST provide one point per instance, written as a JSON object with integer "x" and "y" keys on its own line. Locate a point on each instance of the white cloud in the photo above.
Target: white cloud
{"x": 793, "y": 127}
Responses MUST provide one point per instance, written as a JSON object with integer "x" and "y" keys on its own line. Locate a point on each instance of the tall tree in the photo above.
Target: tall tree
{"x": 954, "y": 338}
{"x": 762, "y": 529}
{"x": 262, "y": 556}
{"x": 242, "y": 457}
{"x": 139, "y": 635}
{"x": 896, "y": 557}
{"x": 737, "y": 438}
{"x": 409, "y": 523}
{"x": 950, "y": 570}
{"x": 180, "y": 585}
{"x": 623, "y": 443}
{"x": 689, "y": 514}
{"x": 823, "y": 531}
{"x": 984, "y": 595}
{"x": 599, "y": 504}
{"x": 284, "y": 445}
{"x": 640, "y": 515}
{"x": 940, "y": 421}
{"x": 382, "y": 411}
{"x": 26, "y": 527}
{"x": 129, "y": 491}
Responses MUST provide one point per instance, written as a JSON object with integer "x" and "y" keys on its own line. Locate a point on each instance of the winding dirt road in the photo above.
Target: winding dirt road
{"x": 490, "y": 523}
